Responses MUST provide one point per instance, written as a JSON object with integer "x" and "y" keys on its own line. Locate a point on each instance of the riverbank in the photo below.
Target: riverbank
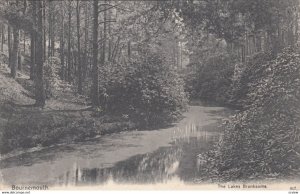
{"x": 65, "y": 118}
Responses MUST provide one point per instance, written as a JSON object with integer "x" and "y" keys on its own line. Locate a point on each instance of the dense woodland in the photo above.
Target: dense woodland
{"x": 145, "y": 60}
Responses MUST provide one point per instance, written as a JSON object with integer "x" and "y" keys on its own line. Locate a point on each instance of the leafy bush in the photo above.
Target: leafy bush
{"x": 211, "y": 79}
{"x": 146, "y": 89}
{"x": 264, "y": 140}
{"x": 246, "y": 74}
{"x": 51, "y": 76}
{"x": 3, "y": 58}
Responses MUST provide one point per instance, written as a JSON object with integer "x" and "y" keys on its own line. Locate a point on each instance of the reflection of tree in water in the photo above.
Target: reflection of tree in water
{"x": 148, "y": 168}
{"x": 179, "y": 160}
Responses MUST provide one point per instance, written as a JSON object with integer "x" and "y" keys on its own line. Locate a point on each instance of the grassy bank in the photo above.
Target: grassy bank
{"x": 64, "y": 119}
{"x": 26, "y": 127}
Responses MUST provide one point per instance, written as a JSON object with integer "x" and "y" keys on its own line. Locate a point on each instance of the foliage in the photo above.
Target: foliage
{"x": 212, "y": 79}
{"x": 245, "y": 76}
{"x": 230, "y": 19}
{"x": 3, "y": 58}
{"x": 36, "y": 127}
{"x": 16, "y": 16}
{"x": 51, "y": 76}
{"x": 263, "y": 141}
{"x": 146, "y": 89}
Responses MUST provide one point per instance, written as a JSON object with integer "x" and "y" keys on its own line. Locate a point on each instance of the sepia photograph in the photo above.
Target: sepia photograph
{"x": 149, "y": 94}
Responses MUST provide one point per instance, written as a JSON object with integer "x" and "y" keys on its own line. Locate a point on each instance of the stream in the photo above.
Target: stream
{"x": 138, "y": 157}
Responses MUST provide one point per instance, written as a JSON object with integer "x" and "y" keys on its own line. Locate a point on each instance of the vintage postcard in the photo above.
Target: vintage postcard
{"x": 149, "y": 95}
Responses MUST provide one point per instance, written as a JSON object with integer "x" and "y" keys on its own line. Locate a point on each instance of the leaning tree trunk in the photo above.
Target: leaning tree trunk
{"x": 40, "y": 96}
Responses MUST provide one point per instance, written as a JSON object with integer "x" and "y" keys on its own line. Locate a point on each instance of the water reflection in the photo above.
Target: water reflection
{"x": 176, "y": 161}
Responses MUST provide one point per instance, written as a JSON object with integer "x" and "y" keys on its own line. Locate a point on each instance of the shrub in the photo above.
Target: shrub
{"x": 146, "y": 89}
{"x": 264, "y": 140}
{"x": 211, "y": 79}
{"x": 247, "y": 74}
{"x": 51, "y": 76}
{"x": 3, "y": 58}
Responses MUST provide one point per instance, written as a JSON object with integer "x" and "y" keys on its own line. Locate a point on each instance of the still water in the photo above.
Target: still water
{"x": 155, "y": 156}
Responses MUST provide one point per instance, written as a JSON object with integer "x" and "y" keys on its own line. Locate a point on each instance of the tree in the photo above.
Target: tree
{"x": 51, "y": 30}
{"x": 95, "y": 87}
{"x": 62, "y": 43}
{"x": 39, "y": 82}
{"x": 9, "y": 44}
{"x": 86, "y": 40}
{"x": 69, "y": 41}
{"x": 79, "y": 49}
{"x": 2, "y": 36}
{"x": 33, "y": 42}
{"x": 15, "y": 51}
{"x": 44, "y": 30}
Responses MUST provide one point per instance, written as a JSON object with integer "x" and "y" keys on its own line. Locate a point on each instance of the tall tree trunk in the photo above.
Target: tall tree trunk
{"x": 62, "y": 46}
{"x": 24, "y": 43}
{"x": 2, "y": 36}
{"x": 95, "y": 87}
{"x": 267, "y": 41}
{"x": 275, "y": 44}
{"x": 39, "y": 81}
{"x": 24, "y": 6}
{"x": 79, "y": 49}
{"x": 104, "y": 36}
{"x": 32, "y": 56}
{"x": 297, "y": 25}
{"x": 258, "y": 41}
{"x": 52, "y": 33}
{"x": 9, "y": 44}
{"x": 44, "y": 29}
{"x": 51, "y": 39}
{"x": 181, "y": 55}
{"x": 247, "y": 45}
{"x": 86, "y": 36}
{"x": 129, "y": 50}
{"x": 14, "y": 57}
{"x": 20, "y": 60}
{"x": 115, "y": 50}
{"x": 49, "y": 27}
{"x": 109, "y": 34}
{"x": 69, "y": 43}
{"x": 243, "y": 53}
{"x": 178, "y": 53}
{"x": 32, "y": 43}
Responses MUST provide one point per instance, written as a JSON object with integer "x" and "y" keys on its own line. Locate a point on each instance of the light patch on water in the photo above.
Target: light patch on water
{"x": 173, "y": 168}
